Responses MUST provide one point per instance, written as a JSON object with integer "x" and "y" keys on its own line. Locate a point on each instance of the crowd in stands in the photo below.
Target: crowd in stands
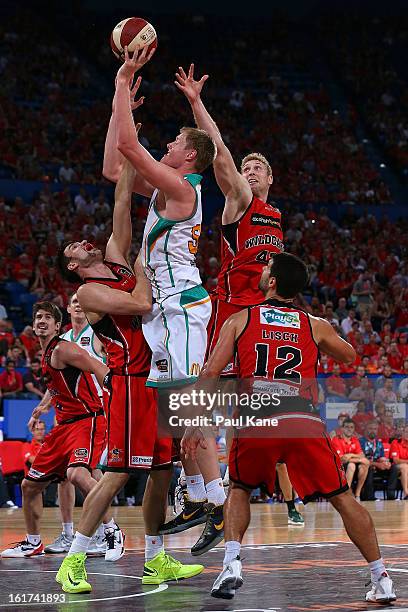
{"x": 368, "y": 55}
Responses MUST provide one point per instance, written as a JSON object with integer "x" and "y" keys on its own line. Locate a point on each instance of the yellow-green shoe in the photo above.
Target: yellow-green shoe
{"x": 163, "y": 568}
{"x": 72, "y": 574}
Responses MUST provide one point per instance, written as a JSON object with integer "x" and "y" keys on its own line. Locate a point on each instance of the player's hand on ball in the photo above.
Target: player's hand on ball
{"x": 186, "y": 83}
{"x": 133, "y": 64}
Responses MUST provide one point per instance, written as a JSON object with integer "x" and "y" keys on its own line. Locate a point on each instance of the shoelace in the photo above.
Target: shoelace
{"x": 180, "y": 497}
{"x": 78, "y": 569}
{"x": 170, "y": 563}
{"x": 23, "y": 543}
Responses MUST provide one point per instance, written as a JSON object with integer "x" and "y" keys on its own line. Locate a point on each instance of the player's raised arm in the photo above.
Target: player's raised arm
{"x": 330, "y": 342}
{"x": 161, "y": 176}
{"x": 113, "y": 160}
{"x": 113, "y": 301}
{"x": 70, "y": 354}
{"x": 119, "y": 242}
{"x": 234, "y": 187}
{"x": 223, "y": 352}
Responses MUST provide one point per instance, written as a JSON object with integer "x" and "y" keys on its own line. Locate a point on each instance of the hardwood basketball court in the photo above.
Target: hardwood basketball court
{"x": 287, "y": 569}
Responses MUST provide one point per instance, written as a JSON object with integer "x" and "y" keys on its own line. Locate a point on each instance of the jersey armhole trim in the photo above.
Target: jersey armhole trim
{"x": 183, "y": 219}
{"x": 226, "y": 225}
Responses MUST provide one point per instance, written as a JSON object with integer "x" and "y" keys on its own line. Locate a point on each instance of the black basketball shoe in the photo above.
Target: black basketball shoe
{"x": 213, "y": 531}
{"x": 194, "y": 513}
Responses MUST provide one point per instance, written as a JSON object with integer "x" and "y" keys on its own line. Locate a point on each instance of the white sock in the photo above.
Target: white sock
{"x": 33, "y": 539}
{"x": 232, "y": 550}
{"x": 377, "y": 568}
{"x": 182, "y": 477}
{"x": 111, "y": 525}
{"x": 196, "y": 488}
{"x": 79, "y": 544}
{"x": 100, "y": 532}
{"x": 215, "y": 492}
{"x": 153, "y": 545}
{"x": 68, "y": 529}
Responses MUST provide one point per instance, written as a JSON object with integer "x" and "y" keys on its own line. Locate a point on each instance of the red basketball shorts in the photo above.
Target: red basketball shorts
{"x": 220, "y": 313}
{"x": 131, "y": 411}
{"x": 303, "y": 444}
{"x": 69, "y": 445}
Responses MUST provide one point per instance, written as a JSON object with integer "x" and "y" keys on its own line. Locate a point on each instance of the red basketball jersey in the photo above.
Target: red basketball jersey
{"x": 246, "y": 246}
{"x": 72, "y": 391}
{"x": 121, "y": 335}
{"x": 277, "y": 345}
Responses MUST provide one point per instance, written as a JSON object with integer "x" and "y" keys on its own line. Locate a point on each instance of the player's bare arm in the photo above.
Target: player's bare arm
{"x": 96, "y": 299}
{"x": 118, "y": 246}
{"x": 177, "y": 191}
{"x": 223, "y": 352}
{"x": 330, "y": 342}
{"x": 42, "y": 408}
{"x": 70, "y": 354}
{"x": 234, "y": 186}
{"x": 113, "y": 159}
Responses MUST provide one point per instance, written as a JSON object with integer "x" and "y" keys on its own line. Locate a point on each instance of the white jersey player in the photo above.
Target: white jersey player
{"x": 176, "y": 329}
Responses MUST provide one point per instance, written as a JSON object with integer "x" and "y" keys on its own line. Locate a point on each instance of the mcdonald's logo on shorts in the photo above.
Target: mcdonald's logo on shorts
{"x": 195, "y": 369}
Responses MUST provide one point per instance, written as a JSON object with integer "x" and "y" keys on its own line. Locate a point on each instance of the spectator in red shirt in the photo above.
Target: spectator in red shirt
{"x": 394, "y": 358}
{"x": 29, "y": 340}
{"x": 403, "y": 345}
{"x": 351, "y": 455}
{"x": 11, "y": 382}
{"x": 362, "y": 417}
{"x": 335, "y": 384}
{"x": 340, "y": 420}
{"x": 386, "y": 426}
{"x": 31, "y": 449}
{"x": 399, "y": 455}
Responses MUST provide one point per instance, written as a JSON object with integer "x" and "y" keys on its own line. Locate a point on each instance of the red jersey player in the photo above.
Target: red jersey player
{"x": 251, "y": 228}
{"x": 113, "y": 300}
{"x": 73, "y": 448}
{"x": 278, "y": 346}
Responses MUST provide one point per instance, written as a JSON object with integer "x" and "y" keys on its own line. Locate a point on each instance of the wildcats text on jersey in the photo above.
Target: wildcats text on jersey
{"x": 264, "y": 239}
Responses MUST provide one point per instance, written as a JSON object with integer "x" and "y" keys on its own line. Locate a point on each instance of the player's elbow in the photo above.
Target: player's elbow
{"x": 144, "y": 307}
{"x": 350, "y": 355}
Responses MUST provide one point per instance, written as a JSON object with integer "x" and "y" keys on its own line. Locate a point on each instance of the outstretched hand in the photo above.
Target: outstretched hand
{"x": 188, "y": 85}
{"x": 133, "y": 64}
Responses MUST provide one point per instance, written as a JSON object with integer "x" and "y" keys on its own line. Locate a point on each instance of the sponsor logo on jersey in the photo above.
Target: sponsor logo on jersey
{"x": 162, "y": 365}
{"x": 195, "y": 369}
{"x": 85, "y": 341}
{"x": 35, "y": 473}
{"x": 273, "y": 316}
{"x": 115, "y": 455}
{"x": 125, "y": 272}
{"x": 138, "y": 460}
{"x": 81, "y": 453}
{"x": 264, "y": 239}
{"x": 258, "y": 219}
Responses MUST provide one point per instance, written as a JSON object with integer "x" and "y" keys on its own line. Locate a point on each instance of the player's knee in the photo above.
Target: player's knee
{"x": 30, "y": 488}
{"x": 79, "y": 476}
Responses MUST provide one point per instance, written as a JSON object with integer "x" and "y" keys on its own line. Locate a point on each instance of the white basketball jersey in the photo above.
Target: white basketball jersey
{"x": 86, "y": 341}
{"x": 169, "y": 247}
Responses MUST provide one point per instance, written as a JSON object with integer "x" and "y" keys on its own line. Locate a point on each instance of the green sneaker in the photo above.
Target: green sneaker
{"x": 72, "y": 574}
{"x": 163, "y": 568}
{"x": 295, "y": 518}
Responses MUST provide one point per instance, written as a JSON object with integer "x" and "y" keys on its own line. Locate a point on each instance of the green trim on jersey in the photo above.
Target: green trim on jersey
{"x": 103, "y": 357}
{"x": 167, "y": 258}
{"x": 195, "y": 294}
{"x": 167, "y": 339}
{"x": 187, "y": 337}
{"x": 194, "y": 180}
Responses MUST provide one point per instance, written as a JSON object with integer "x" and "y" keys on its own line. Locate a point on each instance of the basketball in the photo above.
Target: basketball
{"x": 132, "y": 32}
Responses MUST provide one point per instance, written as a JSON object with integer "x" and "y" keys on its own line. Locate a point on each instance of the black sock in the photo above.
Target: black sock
{"x": 291, "y": 505}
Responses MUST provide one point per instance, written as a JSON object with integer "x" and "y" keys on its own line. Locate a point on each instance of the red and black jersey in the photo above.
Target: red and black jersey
{"x": 121, "y": 335}
{"x": 277, "y": 345}
{"x": 72, "y": 391}
{"x": 246, "y": 246}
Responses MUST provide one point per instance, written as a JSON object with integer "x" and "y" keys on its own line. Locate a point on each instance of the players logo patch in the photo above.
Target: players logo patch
{"x": 195, "y": 369}
{"x": 81, "y": 453}
{"x": 86, "y": 341}
{"x": 142, "y": 461}
{"x": 162, "y": 365}
{"x": 274, "y": 316}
